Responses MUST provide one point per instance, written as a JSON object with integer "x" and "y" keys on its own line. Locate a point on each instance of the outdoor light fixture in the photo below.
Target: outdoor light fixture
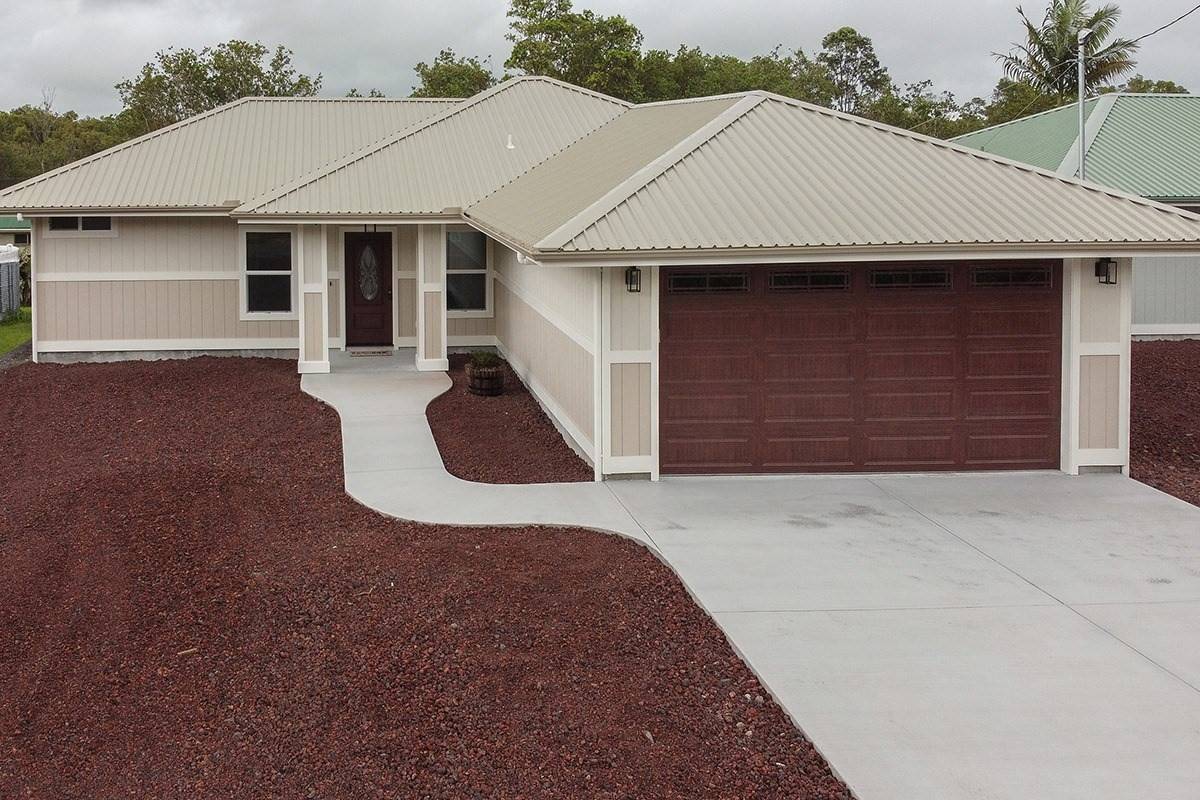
{"x": 1106, "y": 271}
{"x": 633, "y": 279}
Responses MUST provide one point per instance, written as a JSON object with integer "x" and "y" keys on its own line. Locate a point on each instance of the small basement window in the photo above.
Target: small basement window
{"x": 695, "y": 282}
{"x": 269, "y": 272}
{"x": 910, "y": 278}
{"x": 1015, "y": 276}
{"x": 467, "y": 285}
{"x": 804, "y": 280}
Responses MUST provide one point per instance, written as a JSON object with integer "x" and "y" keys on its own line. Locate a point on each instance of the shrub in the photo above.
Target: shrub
{"x": 485, "y": 359}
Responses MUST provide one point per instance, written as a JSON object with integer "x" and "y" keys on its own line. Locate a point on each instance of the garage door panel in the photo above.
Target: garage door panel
{"x": 861, "y": 375}
{"x": 911, "y": 323}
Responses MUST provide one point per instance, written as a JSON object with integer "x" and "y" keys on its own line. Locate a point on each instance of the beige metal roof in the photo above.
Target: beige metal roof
{"x": 221, "y": 158}
{"x": 451, "y": 160}
{"x": 786, "y": 174}
{"x": 536, "y": 203}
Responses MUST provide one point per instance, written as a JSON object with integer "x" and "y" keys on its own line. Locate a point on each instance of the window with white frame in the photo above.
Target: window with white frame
{"x": 80, "y": 226}
{"x": 468, "y": 285}
{"x": 269, "y": 277}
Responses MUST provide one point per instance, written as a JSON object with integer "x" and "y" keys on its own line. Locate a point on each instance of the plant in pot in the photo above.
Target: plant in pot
{"x": 485, "y": 374}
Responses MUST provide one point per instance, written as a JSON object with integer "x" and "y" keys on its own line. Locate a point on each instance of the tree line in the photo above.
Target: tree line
{"x": 605, "y": 53}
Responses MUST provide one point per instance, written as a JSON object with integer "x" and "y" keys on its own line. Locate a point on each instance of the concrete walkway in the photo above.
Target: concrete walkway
{"x": 951, "y": 637}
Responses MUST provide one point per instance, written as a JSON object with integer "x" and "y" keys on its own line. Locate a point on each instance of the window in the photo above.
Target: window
{"x": 21, "y": 239}
{"x": 1012, "y": 276}
{"x": 694, "y": 282}
{"x": 80, "y": 226}
{"x": 268, "y": 272}
{"x": 802, "y": 280}
{"x": 910, "y": 278}
{"x": 467, "y": 281}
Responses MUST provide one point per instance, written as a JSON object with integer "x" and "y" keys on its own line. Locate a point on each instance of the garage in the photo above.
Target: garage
{"x": 871, "y": 367}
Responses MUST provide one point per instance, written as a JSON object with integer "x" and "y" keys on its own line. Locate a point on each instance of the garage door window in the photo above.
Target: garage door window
{"x": 708, "y": 282}
{"x": 1011, "y": 277}
{"x": 910, "y": 278}
{"x": 808, "y": 280}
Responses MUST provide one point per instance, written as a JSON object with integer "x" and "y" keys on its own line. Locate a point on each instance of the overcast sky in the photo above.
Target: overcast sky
{"x": 80, "y": 49}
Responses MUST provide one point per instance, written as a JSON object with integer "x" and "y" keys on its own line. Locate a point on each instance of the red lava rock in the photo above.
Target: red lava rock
{"x": 1165, "y": 424}
{"x": 504, "y": 439}
{"x": 190, "y": 606}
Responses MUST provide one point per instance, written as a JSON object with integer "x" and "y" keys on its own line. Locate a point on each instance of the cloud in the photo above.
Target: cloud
{"x": 81, "y": 48}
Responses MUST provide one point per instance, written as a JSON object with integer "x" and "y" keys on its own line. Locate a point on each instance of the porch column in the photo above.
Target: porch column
{"x": 1096, "y": 359}
{"x": 312, "y": 251}
{"x": 431, "y": 305}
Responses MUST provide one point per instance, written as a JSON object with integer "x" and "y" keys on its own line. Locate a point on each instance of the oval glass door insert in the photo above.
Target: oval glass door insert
{"x": 368, "y": 274}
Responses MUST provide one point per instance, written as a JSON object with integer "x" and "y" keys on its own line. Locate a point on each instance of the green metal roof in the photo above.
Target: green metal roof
{"x": 1144, "y": 144}
{"x": 13, "y": 224}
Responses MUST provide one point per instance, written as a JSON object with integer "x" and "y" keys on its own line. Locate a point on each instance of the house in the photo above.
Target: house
{"x": 1143, "y": 144}
{"x": 733, "y": 284}
{"x": 14, "y": 231}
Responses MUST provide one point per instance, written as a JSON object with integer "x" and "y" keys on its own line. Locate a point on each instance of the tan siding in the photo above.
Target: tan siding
{"x": 335, "y": 308}
{"x": 630, "y": 429}
{"x": 146, "y": 244}
{"x": 1099, "y": 310}
{"x": 121, "y": 310}
{"x": 471, "y": 326}
{"x": 406, "y": 249}
{"x": 406, "y": 307}
{"x": 630, "y": 320}
{"x": 433, "y": 324}
{"x": 314, "y": 328}
{"x": 1099, "y": 402}
{"x": 560, "y": 367}
{"x": 312, "y": 253}
{"x": 566, "y": 293}
{"x": 1166, "y": 291}
{"x": 434, "y": 242}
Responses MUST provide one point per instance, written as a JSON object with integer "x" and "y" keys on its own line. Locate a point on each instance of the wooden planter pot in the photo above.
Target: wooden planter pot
{"x": 486, "y": 381}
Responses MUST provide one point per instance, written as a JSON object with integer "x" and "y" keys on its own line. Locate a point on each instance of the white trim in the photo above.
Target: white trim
{"x": 549, "y": 404}
{"x": 1125, "y": 284}
{"x": 324, "y": 290}
{"x": 189, "y": 275}
{"x": 481, "y": 340}
{"x": 395, "y": 286}
{"x": 1072, "y": 287}
{"x": 655, "y": 457}
{"x": 489, "y": 306}
{"x": 600, "y": 388}
{"x": 311, "y": 288}
{"x": 34, "y": 233}
{"x": 79, "y": 233}
{"x": 295, "y": 275}
{"x": 298, "y": 269}
{"x": 628, "y": 465}
{"x": 433, "y": 364}
{"x": 550, "y": 316}
{"x": 1099, "y": 457}
{"x": 306, "y": 367}
{"x": 1165, "y": 329}
{"x": 405, "y": 341}
{"x": 1099, "y": 349}
{"x": 430, "y": 287}
{"x": 445, "y": 251}
{"x": 420, "y": 293}
{"x": 108, "y": 345}
{"x": 630, "y": 356}
{"x": 337, "y": 342}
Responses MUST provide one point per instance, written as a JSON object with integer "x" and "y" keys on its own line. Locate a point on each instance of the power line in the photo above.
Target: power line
{"x": 1182, "y": 16}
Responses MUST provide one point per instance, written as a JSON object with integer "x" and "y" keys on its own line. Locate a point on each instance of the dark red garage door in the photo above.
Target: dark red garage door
{"x": 865, "y": 367}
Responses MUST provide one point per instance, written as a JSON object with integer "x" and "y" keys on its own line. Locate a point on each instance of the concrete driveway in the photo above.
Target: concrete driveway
{"x": 1015, "y": 636}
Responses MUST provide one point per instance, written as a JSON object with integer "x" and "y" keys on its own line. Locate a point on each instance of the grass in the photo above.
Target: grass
{"x": 16, "y": 330}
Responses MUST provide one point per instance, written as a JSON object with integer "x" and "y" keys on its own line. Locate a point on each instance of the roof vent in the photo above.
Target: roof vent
{"x": 510, "y": 145}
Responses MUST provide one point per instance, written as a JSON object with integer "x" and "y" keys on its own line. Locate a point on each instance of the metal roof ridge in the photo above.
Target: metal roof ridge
{"x": 647, "y": 174}
{"x": 65, "y": 168}
{"x": 312, "y": 176}
{"x": 1091, "y": 129}
{"x": 287, "y": 99}
{"x": 1017, "y": 121}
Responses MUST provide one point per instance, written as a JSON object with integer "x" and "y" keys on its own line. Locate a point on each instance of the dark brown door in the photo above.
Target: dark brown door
{"x": 368, "y": 289}
{"x": 865, "y": 367}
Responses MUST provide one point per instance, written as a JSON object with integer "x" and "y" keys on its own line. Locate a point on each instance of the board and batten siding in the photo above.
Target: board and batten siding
{"x": 545, "y": 321}
{"x": 1097, "y": 319}
{"x": 1166, "y": 296}
{"x": 159, "y": 283}
{"x": 630, "y": 395}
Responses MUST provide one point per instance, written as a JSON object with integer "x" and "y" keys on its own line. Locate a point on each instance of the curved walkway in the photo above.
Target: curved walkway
{"x": 964, "y": 637}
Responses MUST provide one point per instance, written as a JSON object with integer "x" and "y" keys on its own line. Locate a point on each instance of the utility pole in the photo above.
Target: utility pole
{"x": 1084, "y": 33}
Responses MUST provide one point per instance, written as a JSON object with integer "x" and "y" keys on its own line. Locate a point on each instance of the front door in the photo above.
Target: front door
{"x": 368, "y": 289}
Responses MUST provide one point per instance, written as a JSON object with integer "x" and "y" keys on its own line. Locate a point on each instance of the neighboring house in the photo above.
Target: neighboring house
{"x": 732, "y": 284}
{"x": 14, "y": 231}
{"x": 1143, "y": 144}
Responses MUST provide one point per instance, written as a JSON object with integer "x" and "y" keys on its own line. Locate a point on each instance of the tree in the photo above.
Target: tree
{"x": 1048, "y": 59}
{"x": 600, "y": 53}
{"x": 858, "y": 79}
{"x": 451, "y": 76}
{"x": 1139, "y": 83}
{"x": 918, "y": 108}
{"x": 181, "y": 83}
{"x": 354, "y": 92}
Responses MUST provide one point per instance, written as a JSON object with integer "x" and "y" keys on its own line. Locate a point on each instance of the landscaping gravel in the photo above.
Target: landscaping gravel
{"x": 504, "y": 439}
{"x": 190, "y": 607}
{"x": 1165, "y": 424}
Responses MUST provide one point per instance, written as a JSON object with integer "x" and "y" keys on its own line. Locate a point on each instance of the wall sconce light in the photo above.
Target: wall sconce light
{"x": 1106, "y": 271}
{"x": 633, "y": 279}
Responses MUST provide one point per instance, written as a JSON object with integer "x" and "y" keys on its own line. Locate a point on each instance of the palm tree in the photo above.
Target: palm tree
{"x": 1047, "y": 60}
